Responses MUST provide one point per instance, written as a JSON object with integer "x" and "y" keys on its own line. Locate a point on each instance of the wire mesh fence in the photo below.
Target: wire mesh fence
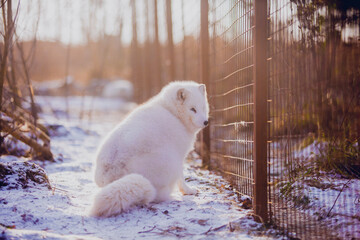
{"x": 232, "y": 92}
{"x": 310, "y": 122}
{"x": 311, "y": 93}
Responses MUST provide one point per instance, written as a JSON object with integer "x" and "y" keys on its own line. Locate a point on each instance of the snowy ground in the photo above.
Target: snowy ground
{"x": 329, "y": 197}
{"x": 60, "y": 213}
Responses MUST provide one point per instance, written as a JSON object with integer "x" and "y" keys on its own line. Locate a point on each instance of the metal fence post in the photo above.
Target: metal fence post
{"x": 204, "y": 72}
{"x": 260, "y": 110}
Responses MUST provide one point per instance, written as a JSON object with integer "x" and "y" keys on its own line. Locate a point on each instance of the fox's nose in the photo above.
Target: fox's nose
{"x": 206, "y": 123}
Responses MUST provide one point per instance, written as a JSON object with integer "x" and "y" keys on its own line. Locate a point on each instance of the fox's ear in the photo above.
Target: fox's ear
{"x": 202, "y": 88}
{"x": 181, "y": 95}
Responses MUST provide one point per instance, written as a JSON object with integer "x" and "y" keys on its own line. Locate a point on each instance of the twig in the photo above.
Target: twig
{"x": 148, "y": 230}
{"x": 44, "y": 151}
{"x": 59, "y": 189}
{"x": 28, "y": 81}
{"x": 218, "y": 228}
{"x": 36, "y": 130}
{"x": 23, "y": 113}
{"x": 13, "y": 130}
{"x": 338, "y": 197}
{"x": 2, "y": 5}
{"x": 206, "y": 233}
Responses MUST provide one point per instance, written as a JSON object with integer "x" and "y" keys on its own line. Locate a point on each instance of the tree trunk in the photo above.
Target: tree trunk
{"x": 170, "y": 42}
{"x": 4, "y": 55}
{"x": 159, "y": 81}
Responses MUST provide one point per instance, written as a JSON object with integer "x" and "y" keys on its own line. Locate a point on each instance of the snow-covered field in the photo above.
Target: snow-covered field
{"x": 60, "y": 213}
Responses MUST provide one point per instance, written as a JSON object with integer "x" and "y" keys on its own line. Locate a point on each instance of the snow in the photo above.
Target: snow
{"x": 21, "y": 174}
{"x": 118, "y": 89}
{"x": 61, "y": 213}
{"x": 338, "y": 209}
{"x": 332, "y": 198}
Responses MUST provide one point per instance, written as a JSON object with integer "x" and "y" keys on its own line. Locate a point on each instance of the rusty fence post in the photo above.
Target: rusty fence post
{"x": 204, "y": 73}
{"x": 260, "y": 110}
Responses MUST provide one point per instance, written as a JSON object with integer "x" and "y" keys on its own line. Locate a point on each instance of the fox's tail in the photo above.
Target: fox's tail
{"x": 122, "y": 194}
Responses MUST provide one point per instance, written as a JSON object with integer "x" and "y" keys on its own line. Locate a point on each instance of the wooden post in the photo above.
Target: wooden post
{"x": 170, "y": 42}
{"x": 260, "y": 110}
{"x": 204, "y": 73}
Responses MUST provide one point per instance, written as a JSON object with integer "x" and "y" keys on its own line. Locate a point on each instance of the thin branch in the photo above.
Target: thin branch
{"x": 3, "y": 3}
{"x": 38, "y": 132}
{"x": 328, "y": 214}
{"x": 13, "y": 130}
{"x": 6, "y": 49}
{"x": 42, "y": 151}
{"x": 147, "y": 231}
{"x": 28, "y": 81}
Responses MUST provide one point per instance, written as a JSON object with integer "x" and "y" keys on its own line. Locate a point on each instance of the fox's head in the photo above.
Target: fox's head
{"x": 189, "y": 104}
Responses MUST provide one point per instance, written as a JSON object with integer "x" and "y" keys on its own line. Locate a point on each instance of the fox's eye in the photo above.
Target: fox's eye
{"x": 193, "y": 109}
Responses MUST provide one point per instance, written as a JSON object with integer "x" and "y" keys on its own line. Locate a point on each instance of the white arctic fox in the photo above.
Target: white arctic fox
{"x": 141, "y": 160}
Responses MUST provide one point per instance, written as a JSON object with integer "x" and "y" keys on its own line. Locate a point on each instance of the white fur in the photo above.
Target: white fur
{"x": 151, "y": 142}
{"x": 131, "y": 190}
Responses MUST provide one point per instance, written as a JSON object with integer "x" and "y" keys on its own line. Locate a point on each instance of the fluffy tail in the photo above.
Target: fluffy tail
{"x": 122, "y": 194}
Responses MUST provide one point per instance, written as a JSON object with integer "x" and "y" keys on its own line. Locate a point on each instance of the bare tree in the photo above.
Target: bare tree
{"x": 157, "y": 74}
{"x": 16, "y": 115}
{"x": 170, "y": 41}
{"x": 184, "y": 39}
{"x": 136, "y": 71}
{"x": 7, "y": 35}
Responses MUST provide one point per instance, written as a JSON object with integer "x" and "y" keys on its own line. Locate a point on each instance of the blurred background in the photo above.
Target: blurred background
{"x": 84, "y": 45}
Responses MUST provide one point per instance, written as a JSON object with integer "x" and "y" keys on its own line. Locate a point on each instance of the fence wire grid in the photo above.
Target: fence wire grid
{"x": 231, "y": 92}
{"x": 312, "y": 103}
